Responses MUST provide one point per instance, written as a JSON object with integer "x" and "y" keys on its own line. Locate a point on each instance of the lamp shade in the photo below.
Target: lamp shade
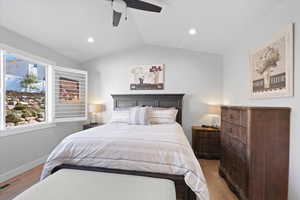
{"x": 95, "y": 108}
{"x": 214, "y": 109}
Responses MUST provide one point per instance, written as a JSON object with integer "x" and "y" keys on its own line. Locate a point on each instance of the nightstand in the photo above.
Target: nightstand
{"x": 91, "y": 125}
{"x": 206, "y": 142}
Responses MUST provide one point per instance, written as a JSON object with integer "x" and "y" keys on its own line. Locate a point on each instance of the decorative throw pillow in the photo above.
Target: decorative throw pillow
{"x": 138, "y": 116}
{"x": 162, "y": 116}
{"x": 120, "y": 116}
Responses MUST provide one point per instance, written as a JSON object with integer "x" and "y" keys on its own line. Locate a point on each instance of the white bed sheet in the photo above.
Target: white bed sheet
{"x": 152, "y": 148}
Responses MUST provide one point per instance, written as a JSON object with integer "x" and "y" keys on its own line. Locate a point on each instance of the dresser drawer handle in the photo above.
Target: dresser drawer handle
{"x": 231, "y": 116}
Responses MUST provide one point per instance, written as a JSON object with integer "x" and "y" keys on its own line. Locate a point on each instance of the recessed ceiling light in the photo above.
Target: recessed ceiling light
{"x": 192, "y": 31}
{"x": 91, "y": 40}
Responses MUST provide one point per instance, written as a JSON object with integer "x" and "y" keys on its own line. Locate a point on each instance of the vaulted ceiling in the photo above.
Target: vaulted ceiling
{"x": 65, "y": 25}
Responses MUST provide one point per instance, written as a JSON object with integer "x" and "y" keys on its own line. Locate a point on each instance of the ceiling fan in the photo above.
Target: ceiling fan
{"x": 120, "y": 6}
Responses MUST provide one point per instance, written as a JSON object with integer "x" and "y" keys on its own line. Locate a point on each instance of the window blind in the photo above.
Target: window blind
{"x": 70, "y": 94}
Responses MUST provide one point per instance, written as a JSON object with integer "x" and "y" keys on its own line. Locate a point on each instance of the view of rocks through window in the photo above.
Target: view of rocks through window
{"x": 25, "y": 92}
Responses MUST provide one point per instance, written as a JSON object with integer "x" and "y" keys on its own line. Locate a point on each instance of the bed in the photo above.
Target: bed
{"x": 160, "y": 151}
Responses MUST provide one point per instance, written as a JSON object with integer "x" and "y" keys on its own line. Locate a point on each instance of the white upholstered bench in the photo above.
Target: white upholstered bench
{"x": 68, "y": 184}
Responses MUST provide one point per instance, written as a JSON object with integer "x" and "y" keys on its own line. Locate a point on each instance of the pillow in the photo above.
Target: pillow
{"x": 162, "y": 116}
{"x": 120, "y": 116}
{"x": 138, "y": 116}
{"x": 163, "y": 108}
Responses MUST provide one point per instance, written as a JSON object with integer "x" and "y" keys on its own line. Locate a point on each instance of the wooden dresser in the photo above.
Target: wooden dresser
{"x": 255, "y": 151}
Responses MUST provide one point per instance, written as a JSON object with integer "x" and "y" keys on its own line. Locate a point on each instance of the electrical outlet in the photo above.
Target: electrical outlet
{"x": 4, "y": 186}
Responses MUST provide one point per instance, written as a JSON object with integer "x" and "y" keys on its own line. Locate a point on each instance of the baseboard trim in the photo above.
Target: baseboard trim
{"x": 23, "y": 168}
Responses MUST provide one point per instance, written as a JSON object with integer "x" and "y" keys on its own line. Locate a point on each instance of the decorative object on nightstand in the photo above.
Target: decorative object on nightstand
{"x": 212, "y": 118}
{"x": 91, "y": 125}
{"x": 206, "y": 142}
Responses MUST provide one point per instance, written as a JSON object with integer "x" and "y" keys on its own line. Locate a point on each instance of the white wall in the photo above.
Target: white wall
{"x": 236, "y": 77}
{"x": 20, "y": 152}
{"x": 198, "y": 75}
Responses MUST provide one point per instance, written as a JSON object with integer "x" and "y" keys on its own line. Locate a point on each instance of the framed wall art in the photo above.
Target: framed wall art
{"x": 147, "y": 77}
{"x": 272, "y": 67}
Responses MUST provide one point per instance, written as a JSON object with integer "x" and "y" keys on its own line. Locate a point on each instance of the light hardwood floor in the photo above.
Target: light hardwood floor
{"x": 20, "y": 183}
{"x": 217, "y": 187}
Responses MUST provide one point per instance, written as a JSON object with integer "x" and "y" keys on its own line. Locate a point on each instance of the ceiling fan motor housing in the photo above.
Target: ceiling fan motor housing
{"x": 120, "y": 7}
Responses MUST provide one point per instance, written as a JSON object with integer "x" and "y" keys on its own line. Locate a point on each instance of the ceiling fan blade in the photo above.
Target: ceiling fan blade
{"x": 141, "y": 5}
{"x": 116, "y": 18}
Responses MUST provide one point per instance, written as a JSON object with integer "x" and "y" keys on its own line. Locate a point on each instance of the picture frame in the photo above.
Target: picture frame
{"x": 272, "y": 67}
{"x": 147, "y": 77}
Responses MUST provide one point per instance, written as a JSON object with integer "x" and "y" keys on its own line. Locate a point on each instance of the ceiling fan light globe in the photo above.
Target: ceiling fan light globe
{"x": 119, "y": 6}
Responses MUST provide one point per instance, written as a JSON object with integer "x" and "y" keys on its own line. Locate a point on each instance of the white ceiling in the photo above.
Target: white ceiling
{"x": 65, "y": 25}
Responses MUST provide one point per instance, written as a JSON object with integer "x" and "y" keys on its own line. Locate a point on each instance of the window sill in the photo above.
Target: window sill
{"x": 25, "y": 129}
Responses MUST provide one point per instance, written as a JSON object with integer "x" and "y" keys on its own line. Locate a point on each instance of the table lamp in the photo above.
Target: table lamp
{"x": 212, "y": 117}
{"x": 214, "y": 112}
{"x": 94, "y": 109}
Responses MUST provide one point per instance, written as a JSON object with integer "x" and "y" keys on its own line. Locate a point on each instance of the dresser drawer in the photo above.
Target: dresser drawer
{"x": 235, "y": 116}
{"x": 225, "y": 114}
{"x": 237, "y": 132}
{"x": 239, "y": 149}
{"x": 240, "y": 176}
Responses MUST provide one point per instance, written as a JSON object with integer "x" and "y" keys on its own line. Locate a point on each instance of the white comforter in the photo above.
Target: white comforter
{"x": 154, "y": 148}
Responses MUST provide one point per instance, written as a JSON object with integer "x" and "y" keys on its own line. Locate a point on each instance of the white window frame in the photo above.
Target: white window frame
{"x": 4, "y": 131}
{"x": 2, "y": 97}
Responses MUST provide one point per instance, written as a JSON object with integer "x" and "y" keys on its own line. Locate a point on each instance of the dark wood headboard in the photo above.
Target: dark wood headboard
{"x": 154, "y": 100}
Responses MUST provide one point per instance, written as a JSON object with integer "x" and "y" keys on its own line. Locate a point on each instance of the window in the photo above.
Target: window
{"x": 68, "y": 90}
{"x": 25, "y": 91}
{"x": 34, "y": 92}
{"x": 71, "y": 92}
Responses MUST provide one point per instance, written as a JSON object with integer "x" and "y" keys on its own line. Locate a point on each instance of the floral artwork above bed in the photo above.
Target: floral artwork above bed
{"x": 147, "y": 77}
{"x": 272, "y": 67}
